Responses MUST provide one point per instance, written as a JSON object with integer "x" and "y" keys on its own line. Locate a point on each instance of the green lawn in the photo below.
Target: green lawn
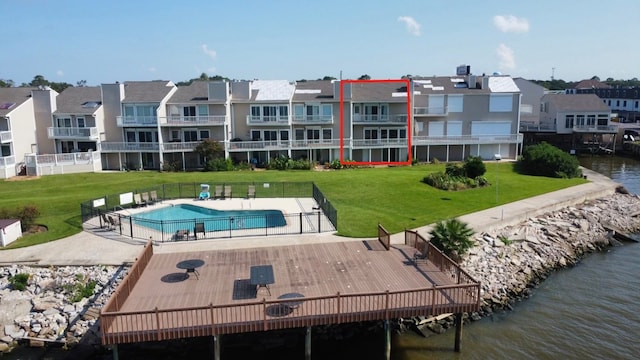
{"x": 393, "y": 196}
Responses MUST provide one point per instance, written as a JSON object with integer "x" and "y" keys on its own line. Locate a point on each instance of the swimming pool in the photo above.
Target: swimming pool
{"x": 185, "y": 216}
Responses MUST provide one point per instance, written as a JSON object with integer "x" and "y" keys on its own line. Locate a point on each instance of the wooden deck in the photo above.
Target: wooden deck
{"x": 341, "y": 282}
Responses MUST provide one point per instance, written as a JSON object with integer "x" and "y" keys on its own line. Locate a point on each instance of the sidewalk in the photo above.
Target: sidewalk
{"x": 87, "y": 248}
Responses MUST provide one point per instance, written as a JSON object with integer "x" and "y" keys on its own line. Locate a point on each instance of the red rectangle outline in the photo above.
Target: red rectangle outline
{"x": 407, "y": 82}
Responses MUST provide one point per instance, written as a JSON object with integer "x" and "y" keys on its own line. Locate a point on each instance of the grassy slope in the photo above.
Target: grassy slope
{"x": 393, "y": 196}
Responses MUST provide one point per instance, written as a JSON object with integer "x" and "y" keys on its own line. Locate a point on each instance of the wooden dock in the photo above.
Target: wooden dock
{"x": 341, "y": 283}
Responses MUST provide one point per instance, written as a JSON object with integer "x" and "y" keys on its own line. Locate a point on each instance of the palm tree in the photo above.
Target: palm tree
{"x": 453, "y": 237}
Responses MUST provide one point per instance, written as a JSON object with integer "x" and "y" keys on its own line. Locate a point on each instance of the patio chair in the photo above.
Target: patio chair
{"x": 154, "y": 196}
{"x": 105, "y": 221}
{"x": 113, "y": 221}
{"x": 199, "y": 228}
{"x": 218, "y": 192}
{"x": 146, "y": 199}
{"x": 137, "y": 200}
{"x": 251, "y": 192}
{"x": 227, "y": 192}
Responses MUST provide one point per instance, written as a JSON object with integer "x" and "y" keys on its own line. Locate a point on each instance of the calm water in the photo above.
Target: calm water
{"x": 591, "y": 311}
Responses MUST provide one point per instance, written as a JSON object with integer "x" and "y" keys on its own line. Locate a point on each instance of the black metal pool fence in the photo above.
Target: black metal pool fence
{"x": 108, "y": 211}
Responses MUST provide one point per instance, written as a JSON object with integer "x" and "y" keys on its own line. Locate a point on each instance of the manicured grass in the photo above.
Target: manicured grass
{"x": 393, "y": 196}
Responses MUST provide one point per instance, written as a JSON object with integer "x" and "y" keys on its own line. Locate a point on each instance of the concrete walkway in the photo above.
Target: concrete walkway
{"x": 87, "y": 248}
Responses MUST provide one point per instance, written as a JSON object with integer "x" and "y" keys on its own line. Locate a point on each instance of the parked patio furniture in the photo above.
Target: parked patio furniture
{"x": 251, "y": 192}
{"x": 199, "y": 228}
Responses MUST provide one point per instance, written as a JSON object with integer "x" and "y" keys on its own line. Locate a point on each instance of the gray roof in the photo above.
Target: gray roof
{"x": 71, "y": 100}
{"x": 196, "y": 92}
{"x": 15, "y": 95}
{"x": 6, "y": 222}
{"x": 378, "y": 91}
{"x": 146, "y": 91}
{"x": 576, "y": 102}
{"x": 316, "y": 90}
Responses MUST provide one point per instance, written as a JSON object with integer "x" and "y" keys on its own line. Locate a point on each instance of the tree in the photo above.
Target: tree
{"x": 203, "y": 77}
{"x": 39, "y": 80}
{"x": 328, "y": 78}
{"x": 595, "y": 77}
{"x": 6, "y": 83}
{"x": 547, "y": 160}
{"x": 81, "y": 83}
{"x": 452, "y": 237}
{"x": 209, "y": 150}
{"x": 364, "y": 77}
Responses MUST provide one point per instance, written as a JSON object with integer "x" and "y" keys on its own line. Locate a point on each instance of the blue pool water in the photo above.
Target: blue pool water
{"x": 185, "y": 216}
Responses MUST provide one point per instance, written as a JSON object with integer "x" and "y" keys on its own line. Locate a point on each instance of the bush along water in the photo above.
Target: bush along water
{"x": 547, "y": 160}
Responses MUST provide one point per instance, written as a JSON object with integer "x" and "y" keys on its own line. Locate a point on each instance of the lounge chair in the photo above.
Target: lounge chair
{"x": 251, "y": 192}
{"x": 113, "y": 221}
{"x": 154, "y": 196}
{"x": 227, "y": 192}
{"x": 145, "y": 198}
{"x": 199, "y": 228}
{"x": 218, "y": 192}
{"x": 137, "y": 200}
{"x": 105, "y": 221}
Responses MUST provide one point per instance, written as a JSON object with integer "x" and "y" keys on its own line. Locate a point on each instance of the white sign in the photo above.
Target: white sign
{"x": 98, "y": 202}
{"x": 126, "y": 198}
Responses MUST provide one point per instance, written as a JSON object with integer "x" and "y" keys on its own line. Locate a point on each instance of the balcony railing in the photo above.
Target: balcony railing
{"x": 467, "y": 139}
{"x": 200, "y": 120}
{"x": 6, "y": 137}
{"x": 73, "y": 133}
{"x": 267, "y": 120}
{"x": 379, "y": 142}
{"x": 430, "y": 111}
{"x": 540, "y": 127}
{"x": 307, "y": 119}
{"x": 129, "y": 147}
{"x": 318, "y": 143}
{"x": 368, "y": 119}
{"x": 67, "y": 158}
{"x": 596, "y": 128}
{"x": 179, "y": 146}
{"x": 6, "y": 161}
{"x": 124, "y": 121}
{"x": 258, "y": 145}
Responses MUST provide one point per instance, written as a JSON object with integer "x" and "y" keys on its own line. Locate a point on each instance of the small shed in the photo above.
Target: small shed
{"x": 10, "y": 231}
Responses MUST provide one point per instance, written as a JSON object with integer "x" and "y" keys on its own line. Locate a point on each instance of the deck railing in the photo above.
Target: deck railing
{"x": 124, "y": 289}
{"x": 384, "y": 237}
{"x": 265, "y": 315}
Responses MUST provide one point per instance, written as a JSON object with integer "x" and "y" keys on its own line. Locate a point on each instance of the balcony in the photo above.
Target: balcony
{"x": 6, "y": 137}
{"x": 369, "y": 143}
{"x": 7, "y": 161}
{"x": 267, "y": 120}
{"x": 180, "y": 146}
{"x": 312, "y": 119}
{"x": 537, "y": 127}
{"x": 137, "y": 121}
{"x": 430, "y": 111}
{"x": 258, "y": 145}
{"x": 87, "y": 133}
{"x": 603, "y": 129}
{"x": 117, "y": 147}
{"x": 378, "y": 119}
{"x": 317, "y": 143}
{"x": 200, "y": 120}
{"x": 467, "y": 139}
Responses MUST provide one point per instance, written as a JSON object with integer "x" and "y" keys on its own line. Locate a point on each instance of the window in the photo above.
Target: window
{"x": 255, "y": 111}
{"x": 255, "y": 135}
{"x": 603, "y": 120}
{"x": 313, "y": 134}
{"x": 313, "y": 112}
{"x": 284, "y": 135}
{"x": 269, "y": 113}
{"x": 454, "y": 103}
{"x": 146, "y": 136}
{"x": 327, "y": 135}
{"x": 81, "y": 122}
{"x": 203, "y": 110}
{"x": 624, "y": 103}
{"x": 270, "y": 135}
{"x": 284, "y": 112}
{"x": 591, "y": 120}
{"x": 204, "y": 134}
{"x": 175, "y": 135}
{"x": 298, "y": 112}
{"x": 327, "y": 112}
{"x": 64, "y": 122}
{"x": 580, "y": 120}
{"x": 568, "y": 121}
{"x": 617, "y": 103}
{"x": 371, "y": 134}
{"x": 189, "y": 112}
{"x": 636, "y": 104}
{"x": 190, "y": 135}
{"x": 500, "y": 103}
{"x": 299, "y": 134}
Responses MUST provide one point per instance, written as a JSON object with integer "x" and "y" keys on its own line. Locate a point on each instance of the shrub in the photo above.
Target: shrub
{"x": 172, "y": 166}
{"x": 474, "y": 167}
{"x": 547, "y": 160}
{"x": 19, "y": 281}
{"x": 80, "y": 289}
{"x": 455, "y": 170}
{"x": 335, "y": 164}
{"x": 242, "y": 165}
{"x": 452, "y": 237}
{"x": 219, "y": 164}
{"x": 27, "y": 215}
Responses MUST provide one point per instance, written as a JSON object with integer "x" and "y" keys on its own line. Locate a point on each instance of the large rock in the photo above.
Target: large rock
{"x": 46, "y": 303}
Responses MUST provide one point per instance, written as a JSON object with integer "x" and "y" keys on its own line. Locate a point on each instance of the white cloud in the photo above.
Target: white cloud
{"x": 211, "y": 53}
{"x": 510, "y": 23}
{"x": 413, "y": 27}
{"x": 60, "y": 73}
{"x": 152, "y": 69}
{"x": 507, "y": 58}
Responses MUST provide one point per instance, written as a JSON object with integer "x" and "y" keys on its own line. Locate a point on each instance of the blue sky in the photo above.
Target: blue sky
{"x": 120, "y": 40}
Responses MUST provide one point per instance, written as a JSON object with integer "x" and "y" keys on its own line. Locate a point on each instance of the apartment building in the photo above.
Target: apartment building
{"x": 147, "y": 124}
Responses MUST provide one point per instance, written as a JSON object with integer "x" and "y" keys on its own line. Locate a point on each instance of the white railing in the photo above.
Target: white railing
{"x": 542, "y": 127}
{"x": 467, "y": 139}
{"x": 129, "y": 146}
{"x": 379, "y": 142}
{"x": 201, "y": 120}
{"x": 267, "y": 120}
{"x": 179, "y": 146}
{"x": 596, "y": 128}
{"x": 325, "y": 119}
{"x": 6, "y": 161}
{"x": 73, "y": 132}
{"x": 398, "y": 118}
{"x": 123, "y": 121}
{"x": 69, "y": 158}
{"x": 318, "y": 143}
{"x": 6, "y": 137}
{"x": 429, "y": 111}
{"x": 255, "y": 145}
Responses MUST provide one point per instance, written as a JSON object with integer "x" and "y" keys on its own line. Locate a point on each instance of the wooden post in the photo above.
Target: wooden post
{"x": 458, "y": 331}
{"x": 114, "y": 351}
{"x": 216, "y": 346}
{"x": 307, "y": 344}
{"x": 387, "y": 340}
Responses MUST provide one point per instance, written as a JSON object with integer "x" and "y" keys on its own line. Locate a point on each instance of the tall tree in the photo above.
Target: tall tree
{"x": 364, "y": 77}
{"x": 81, "y": 83}
{"x": 6, "y": 83}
